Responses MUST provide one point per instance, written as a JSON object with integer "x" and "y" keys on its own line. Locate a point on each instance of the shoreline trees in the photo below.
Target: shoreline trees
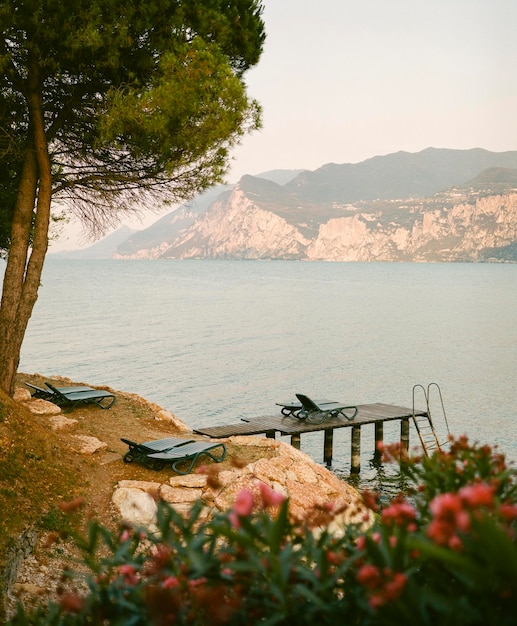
{"x": 103, "y": 105}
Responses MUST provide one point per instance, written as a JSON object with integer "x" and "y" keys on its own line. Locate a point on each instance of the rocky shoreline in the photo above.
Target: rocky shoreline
{"x": 35, "y": 571}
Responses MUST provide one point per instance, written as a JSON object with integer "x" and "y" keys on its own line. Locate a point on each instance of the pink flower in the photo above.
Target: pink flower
{"x": 455, "y": 543}
{"x": 477, "y": 495}
{"x": 400, "y": 513}
{"x": 369, "y": 576}
{"x": 129, "y": 573}
{"x": 394, "y": 587}
{"x": 170, "y": 582}
{"x": 244, "y": 502}
{"x": 71, "y": 603}
{"x": 385, "y": 587}
{"x": 334, "y": 558}
{"x": 361, "y": 540}
{"x": 376, "y": 601}
{"x": 269, "y": 496}
{"x": 196, "y": 582}
{"x": 508, "y": 512}
{"x": 450, "y": 516}
{"x": 448, "y": 507}
{"x": 370, "y": 498}
{"x": 242, "y": 507}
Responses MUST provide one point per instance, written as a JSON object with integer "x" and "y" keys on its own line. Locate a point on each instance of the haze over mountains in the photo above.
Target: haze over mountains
{"x": 434, "y": 205}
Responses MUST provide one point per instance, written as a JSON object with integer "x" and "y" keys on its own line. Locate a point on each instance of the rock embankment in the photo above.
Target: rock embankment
{"x": 289, "y": 472}
{"x": 284, "y": 468}
{"x": 130, "y": 493}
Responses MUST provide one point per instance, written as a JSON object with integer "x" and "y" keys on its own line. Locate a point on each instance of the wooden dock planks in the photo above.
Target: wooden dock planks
{"x": 376, "y": 413}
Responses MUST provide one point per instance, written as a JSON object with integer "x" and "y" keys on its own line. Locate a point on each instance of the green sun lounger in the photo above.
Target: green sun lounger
{"x": 47, "y": 394}
{"x": 291, "y": 409}
{"x": 182, "y": 458}
{"x": 318, "y": 413}
{"x": 179, "y": 454}
{"x": 72, "y": 399}
{"x": 140, "y": 451}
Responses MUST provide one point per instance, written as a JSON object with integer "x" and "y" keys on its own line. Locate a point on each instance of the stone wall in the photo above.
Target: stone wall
{"x": 16, "y": 555}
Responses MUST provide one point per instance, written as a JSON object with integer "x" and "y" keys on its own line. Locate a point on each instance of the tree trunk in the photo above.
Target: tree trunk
{"x": 25, "y": 261}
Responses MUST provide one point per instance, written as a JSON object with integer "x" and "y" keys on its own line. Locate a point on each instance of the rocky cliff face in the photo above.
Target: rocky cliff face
{"x": 395, "y": 208}
{"x": 238, "y": 228}
{"x": 457, "y": 233}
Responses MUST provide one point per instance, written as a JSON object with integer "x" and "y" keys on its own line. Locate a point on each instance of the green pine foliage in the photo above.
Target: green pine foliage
{"x": 136, "y": 96}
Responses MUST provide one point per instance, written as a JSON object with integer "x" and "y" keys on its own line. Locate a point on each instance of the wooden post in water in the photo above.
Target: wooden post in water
{"x": 327, "y": 446}
{"x": 404, "y": 433}
{"x": 356, "y": 450}
{"x": 379, "y": 437}
{"x": 295, "y": 441}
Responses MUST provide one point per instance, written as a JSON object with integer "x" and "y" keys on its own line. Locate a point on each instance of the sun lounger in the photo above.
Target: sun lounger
{"x": 182, "y": 458}
{"x": 140, "y": 451}
{"x": 180, "y": 454}
{"x": 292, "y": 408}
{"x": 318, "y": 413}
{"x": 46, "y": 394}
{"x": 72, "y": 399}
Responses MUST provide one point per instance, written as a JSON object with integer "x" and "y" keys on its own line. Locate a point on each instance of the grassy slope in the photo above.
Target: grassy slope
{"x": 35, "y": 473}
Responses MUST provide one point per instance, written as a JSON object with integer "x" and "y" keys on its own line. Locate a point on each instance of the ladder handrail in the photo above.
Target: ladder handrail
{"x": 427, "y": 394}
{"x": 441, "y": 402}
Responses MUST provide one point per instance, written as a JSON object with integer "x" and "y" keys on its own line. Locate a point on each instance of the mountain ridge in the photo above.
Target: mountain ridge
{"x": 421, "y": 206}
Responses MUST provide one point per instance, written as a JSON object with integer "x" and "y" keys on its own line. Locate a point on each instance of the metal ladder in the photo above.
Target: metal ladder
{"x": 424, "y": 423}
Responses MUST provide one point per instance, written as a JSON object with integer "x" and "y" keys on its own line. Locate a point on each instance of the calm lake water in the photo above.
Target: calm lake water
{"x": 214, "y": 341}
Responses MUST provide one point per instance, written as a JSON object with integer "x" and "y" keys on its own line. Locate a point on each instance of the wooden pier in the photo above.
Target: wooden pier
{"x": 376, "y": 414}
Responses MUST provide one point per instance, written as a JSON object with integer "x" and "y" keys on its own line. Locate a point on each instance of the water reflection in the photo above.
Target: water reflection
{"x": 386, "y": 479}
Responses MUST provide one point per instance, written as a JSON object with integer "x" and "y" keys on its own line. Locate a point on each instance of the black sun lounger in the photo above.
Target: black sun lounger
{"x": 140, "y": 451}
{"x": 318, "y": 413}
{"x": 48, "y": 394}
{"x": 182, "y": 458}
{"x": 180, "y": 454}
{"x": 292, "y": 408}
{"x": 103, "y": 399}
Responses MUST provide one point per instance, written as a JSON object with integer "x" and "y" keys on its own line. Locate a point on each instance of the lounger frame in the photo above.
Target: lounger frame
{"x": 182, "y": 459}
{"x": 140, "y": 452}
{"x": 72, "y": 399}
{"x": 48, "y": 394}
{"x": 318, "y": 413}
{"x": 180, "y": 455}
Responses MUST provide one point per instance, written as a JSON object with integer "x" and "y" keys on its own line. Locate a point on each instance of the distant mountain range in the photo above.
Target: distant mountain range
{"x": 434, "y": 205}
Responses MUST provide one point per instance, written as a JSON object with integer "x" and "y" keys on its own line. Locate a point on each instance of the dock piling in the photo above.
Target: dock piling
{"x": 327, "y": 446}
{"x": 404, "y": 433}
{"x": 379, "y": 437}
{"x": 376, "y": 413}
{"x": 356, "y": 450}
{"x": 296, "y": 440}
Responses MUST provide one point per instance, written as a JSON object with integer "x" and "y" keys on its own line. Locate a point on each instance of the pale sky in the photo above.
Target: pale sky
{"x": 342, "y": 81}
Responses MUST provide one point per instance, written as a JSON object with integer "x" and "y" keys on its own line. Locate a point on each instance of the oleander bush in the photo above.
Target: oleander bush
{"x": 444, "y": 553}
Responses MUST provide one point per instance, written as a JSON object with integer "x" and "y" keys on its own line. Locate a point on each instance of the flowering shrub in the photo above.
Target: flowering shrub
{"x": 445, "y": 555}
{"x": 448, "y": 471}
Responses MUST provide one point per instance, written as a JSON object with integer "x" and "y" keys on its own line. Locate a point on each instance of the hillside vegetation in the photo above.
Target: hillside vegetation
{"x": 398, "y": 207}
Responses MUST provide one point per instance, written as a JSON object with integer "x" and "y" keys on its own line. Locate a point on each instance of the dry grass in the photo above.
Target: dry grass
{"x": 39, "y": 468}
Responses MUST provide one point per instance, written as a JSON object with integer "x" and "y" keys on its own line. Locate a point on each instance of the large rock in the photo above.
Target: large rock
{"x": 60, "y": 423}
{"x": 136, "y": 506}
{"x": 290, "y": 472}
{"x": 34, "y": 405}
{"x": 83, "y": 444}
